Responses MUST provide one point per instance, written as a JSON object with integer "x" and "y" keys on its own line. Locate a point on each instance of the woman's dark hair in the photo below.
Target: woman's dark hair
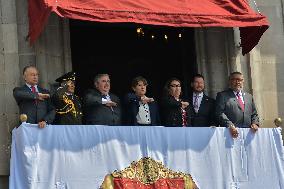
{"x": 136, "y": 80}
{"x": 167, "y": 86}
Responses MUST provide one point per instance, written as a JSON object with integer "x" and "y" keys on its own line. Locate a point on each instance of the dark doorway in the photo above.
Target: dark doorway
{"x": 117, "y": 49}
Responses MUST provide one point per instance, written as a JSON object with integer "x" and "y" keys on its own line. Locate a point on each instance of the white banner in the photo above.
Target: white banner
{"x": 79, "y": 157}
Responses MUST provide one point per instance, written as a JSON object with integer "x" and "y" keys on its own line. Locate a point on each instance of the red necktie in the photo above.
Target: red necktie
{"x": 241, "y": 103}
{"x": 34, "y": 91}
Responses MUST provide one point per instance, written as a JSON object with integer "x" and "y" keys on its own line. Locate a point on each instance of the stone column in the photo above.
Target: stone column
{"x": 53, "y": 52}
{"x": 9, "y": 61}
{"x": 215, "y": 60}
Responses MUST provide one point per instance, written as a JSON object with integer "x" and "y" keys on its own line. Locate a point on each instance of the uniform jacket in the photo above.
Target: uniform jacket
{"x": 68, "y": 108}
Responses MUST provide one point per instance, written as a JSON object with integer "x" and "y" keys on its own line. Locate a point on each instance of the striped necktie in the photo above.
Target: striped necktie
{"x": 241, "y": 103}
{"x": 195, "y": 104}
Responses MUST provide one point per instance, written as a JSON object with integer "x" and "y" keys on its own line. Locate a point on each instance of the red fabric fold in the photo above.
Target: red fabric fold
{"x": 122, "y": 183}
{"x": 39, "y": 11}
{"x": 176, "y": 13}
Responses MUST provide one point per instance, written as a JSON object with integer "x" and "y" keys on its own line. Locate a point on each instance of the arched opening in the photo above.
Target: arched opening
{"x": 119, "y": 50}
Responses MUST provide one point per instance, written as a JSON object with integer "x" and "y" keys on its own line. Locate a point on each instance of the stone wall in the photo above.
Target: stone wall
{"x": 51, "y": 54}
{"x": 9, "y": 61}
{"x": 267, "y": 63}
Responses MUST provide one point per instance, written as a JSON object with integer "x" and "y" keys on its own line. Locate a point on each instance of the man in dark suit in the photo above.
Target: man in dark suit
{"x": 235, "y": 108}
{"x": 33, "y": 100}
{"x": 101, "y": 107}
{"x": 204, "y": 106}
{"x": 140, "y": 109}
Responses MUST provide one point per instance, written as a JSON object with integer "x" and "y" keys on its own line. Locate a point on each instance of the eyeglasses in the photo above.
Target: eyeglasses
{"x": 175, "y": 86}
{"x": 237, "y": 79}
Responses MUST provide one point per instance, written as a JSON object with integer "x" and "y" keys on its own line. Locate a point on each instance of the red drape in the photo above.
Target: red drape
{"x": 176, "y": 13}
{"x": 123, "y": 183}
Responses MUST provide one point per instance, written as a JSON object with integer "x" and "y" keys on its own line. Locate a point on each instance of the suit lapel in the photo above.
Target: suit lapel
{"x": 203, "y": 103}
{"x": 112, "y": 98}
{"x": 245, "y": 101}
{"x": 28, "y": 88}
{"x": 40, "y": 90}
{"x": 191, "y": 104}
{"x": 151, "y": 109}
{"x": 235, "y": 99}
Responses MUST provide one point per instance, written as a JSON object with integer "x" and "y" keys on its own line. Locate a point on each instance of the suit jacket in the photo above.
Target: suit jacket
{"x": 97, "y": 113}
{"x": 132, "y": 109}
{"x": 206, "y": 114}
{"x": 228, "y": 110}
{"x": 171, "y": 111}
{"x": 36, "y": 110}
{"x": 68, "y": 108}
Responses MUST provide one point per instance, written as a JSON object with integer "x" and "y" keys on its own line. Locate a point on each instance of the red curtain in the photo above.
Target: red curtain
{"x": 176, "y": 13}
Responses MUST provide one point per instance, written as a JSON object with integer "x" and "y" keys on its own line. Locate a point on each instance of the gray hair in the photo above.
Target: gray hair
{"x": 234, "y": 73}
{"x": 99, "y": 76}
{"x": 27, "y": 67}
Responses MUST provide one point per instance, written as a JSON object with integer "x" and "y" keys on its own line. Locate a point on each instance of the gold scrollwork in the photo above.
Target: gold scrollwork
{"x": 69, "y": 107}
{"x": 148, "y": 171}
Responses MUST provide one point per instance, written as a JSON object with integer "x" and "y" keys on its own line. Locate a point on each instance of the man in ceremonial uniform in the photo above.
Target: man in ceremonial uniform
{"x": 67, "y": 104}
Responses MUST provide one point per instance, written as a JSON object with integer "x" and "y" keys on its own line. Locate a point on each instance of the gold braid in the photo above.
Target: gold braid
{"x": 68, "y": 102}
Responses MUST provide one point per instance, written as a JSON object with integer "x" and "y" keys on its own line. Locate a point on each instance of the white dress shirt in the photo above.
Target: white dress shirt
{"x": 143, "y": 115}
{"x": 106, "y": 99}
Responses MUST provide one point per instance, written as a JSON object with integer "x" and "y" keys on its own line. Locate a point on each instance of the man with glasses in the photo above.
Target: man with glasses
{"x": 100, "y": 106}
{"x": 235, "y": 108}
{"x": 176, "y": 111}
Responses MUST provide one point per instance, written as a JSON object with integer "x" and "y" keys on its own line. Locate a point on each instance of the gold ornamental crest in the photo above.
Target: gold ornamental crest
{"x": 147, "y": 171}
